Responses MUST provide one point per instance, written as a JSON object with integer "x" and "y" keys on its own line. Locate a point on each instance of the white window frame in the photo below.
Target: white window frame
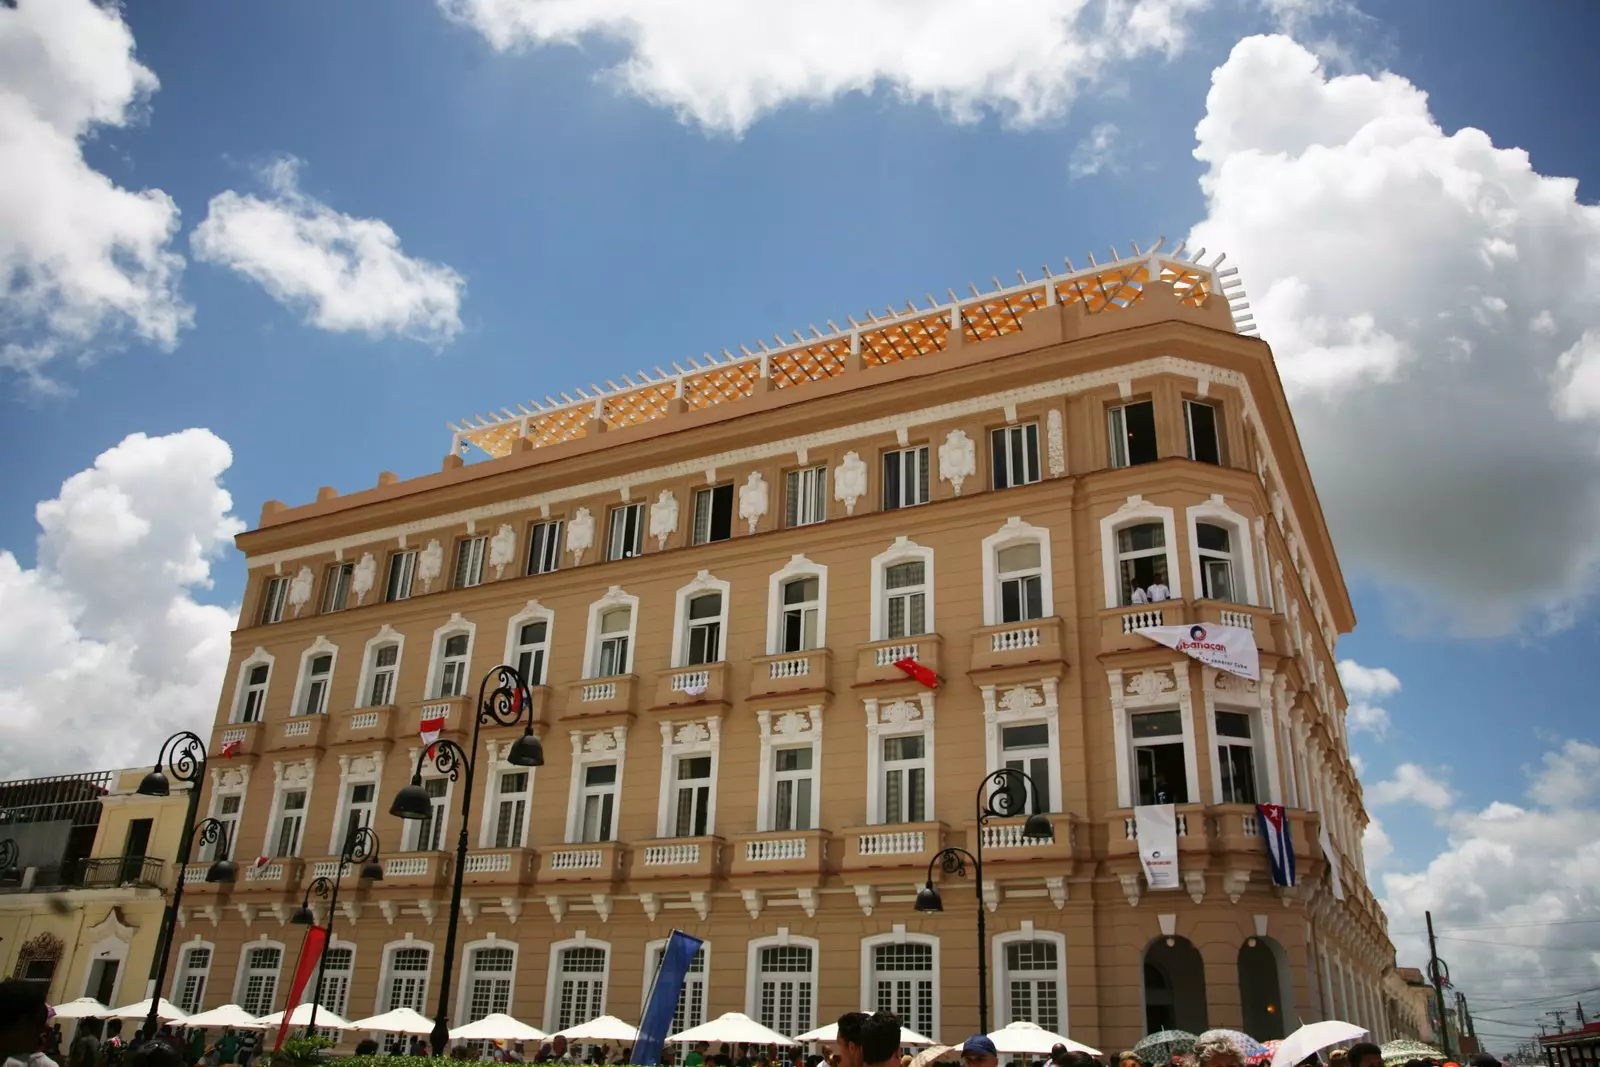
{"x": 1001, "y": 977}
{"x": 302, "y": 781}
{"x": 703, "y": 582}
{"x": 410, "y": 578}
{"x": 806, "y": 489}
{"x": 903, "y": 550}
{"x": 543, "y": 548}
{"x": 1188, "y": 427}
{"x": 795, "y": 728}
{"x": 1216, "y": 512}
{"x": 386, "y": 635}
{"x": 923, "y": 461}
{"x": 342, "y": 1007}
{"x": 532, "y": 611}
{"x": 411, "y": 829}
{"x": 229, "y": 820}
{"x": 245, "y": 972}
{"x": 617, "y": 521}
{"x": 552, "y": 987}
{"x": 1016, "y": 532}
{"x": 869, "y": 970}
{"x": 752, "y": 972}
{"x": 241, "y": 684}
{"x": 338, "y": 576}
{"x": 708, "y": 494}
{"x": 588, "y": 749}
{"x": 614, "y": 598}
{"x": 386, "y": 975}
{"x": 686, "y": 740}
{"x": 185, "y": 971}
{"x": 353, "y": 771}
{"x": 489, "y": 821}
{"x": 469, "y": 974}
{"x": 653, "y": 951}
{"x": 320, "y": 647}
{"x": 1015, "y": 706}
{"x": 797, "y": 567}
{"x": 1117, "y": 445}
{"x": 1124, "y": 704}
{"x": 274, "y": 598}
{"x": 456, "y": 625}
{"x": 912, "y": 717}
{"x": 469, "y": 576}
{"x": 1256, "y": 742}
{"x": 1022, "y": 428}
{"x": 1134, "y": 512}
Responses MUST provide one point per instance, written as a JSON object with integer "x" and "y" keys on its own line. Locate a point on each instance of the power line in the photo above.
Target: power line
{"x": 1518, "y": 944}
{"x": 1498, "y": 926}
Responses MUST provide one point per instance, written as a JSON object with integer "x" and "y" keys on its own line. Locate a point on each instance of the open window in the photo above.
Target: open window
{"x": 402, "y": 572}
{"x": 905, "y": 478}
{"x": 1142, "y": 563}
{"x": 626, "y": 536}
{"x": 1203, "y": 424}
{"x": 316, "y": 677}
{"x": 1160, "y": 757}
{"x": 454, "y": 652}
{"x": 1014, "y": 455}
{"x": 1132, "y": 430}
{"x": 470, "y": 553}
{"x": 713, "y": 514}
{"x": 611, "y": 654}
{"x": 544, "y": 547}
{"x": 1236, "y": 757}
{"x": 1223, "y": 554}
{"x": 336, "y": 587}
{"x": 806, "y": 496}
{"x": 1021, "y": 577}
{"x": 273, "y": 599}
{"x": 255, "y": 674}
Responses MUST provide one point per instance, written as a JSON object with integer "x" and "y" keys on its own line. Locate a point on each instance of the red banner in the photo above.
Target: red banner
{"x": 310, "y": 956}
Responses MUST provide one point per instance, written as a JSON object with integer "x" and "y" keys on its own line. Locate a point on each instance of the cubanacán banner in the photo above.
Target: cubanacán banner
{"x": 1227, "y": 648}
{"x": 664, "y": 993}
{"x": 1156, "y": 827}
{"x": 1280, "y": 849}
{"x": 310, "y": 955}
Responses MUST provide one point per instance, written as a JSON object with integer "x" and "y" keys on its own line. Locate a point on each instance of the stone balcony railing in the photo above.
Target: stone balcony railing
{"x": 455, "y": 711}
{"x": 1004, "y": 842}
{"x": 793, "y": 676}
{"x": 900, "y": 846}
{"x": 501, "y": 867}
{"x": 275, "y": 876}
{"x": 364, "y": 726}
{"x": 600, "y": 863}
{"x": 602, "y": 696}
{"x": 300, "y": 732}
{"x": 691, "y": 687}
{"x": 248, "y": 735}
{"x": 677, "y": 858}
{"x": 875, "y": 662}
{"x": 1017, "y": 644}
{"x": 419, "y": 870}
{"x": 1119, "y": 626}
{"x": 786, "y": 852}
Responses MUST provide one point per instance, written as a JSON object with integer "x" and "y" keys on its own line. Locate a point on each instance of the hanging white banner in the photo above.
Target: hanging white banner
{"x": 1156, "y": 826}
{"x": 1333, "y": 861}
{"x": 1227, "y": 648}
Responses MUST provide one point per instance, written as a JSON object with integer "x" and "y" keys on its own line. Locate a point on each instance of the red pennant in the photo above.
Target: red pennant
{"x": 310, "y": 954}
{"x": 516, "y": 703}
{"x": 916, "y": 670}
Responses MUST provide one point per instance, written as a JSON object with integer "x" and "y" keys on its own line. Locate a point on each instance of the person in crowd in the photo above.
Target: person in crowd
{"x": 367, "y": 1046}
{"x": 85, "y": 1048}
{"x": 879, "y": 1040}
{"x": 1338, "y": 1058}
{"x": 228, "y": 1047}
{"x": 1075, "y": 1059}
{"x": 52, "y": 1042}
{"x": 1477, "y": 1059}
{"x": 1218, "y": 1052}
{"x": 558, "y": 1050}
{"x": 1128, "y": 1059}
{"x": 847, "y": 1045}
{"x": 1367, "y": 1054}
{"x": 156, "y": 1051}
{"x": 23, "y": 1017}
{"x": 696, "y": 1056}
{"x": 979, "y": 1051}
{"x": 112, "y": 1047}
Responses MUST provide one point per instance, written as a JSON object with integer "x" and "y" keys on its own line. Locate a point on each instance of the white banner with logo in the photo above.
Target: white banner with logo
{"x": 1333, "y": 861}
{"x": 1227, "y": 648}
{"x": 1157, "y": 828}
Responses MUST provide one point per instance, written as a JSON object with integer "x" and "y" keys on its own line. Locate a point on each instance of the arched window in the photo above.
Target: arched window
{"x": 691, "y": 1009}
{"x": 382, "y": 671}
{"x": 782, "y": 991}
{"x": 903, "y": 978}
{"x": 452, "y": 658}
{"x": 338, "y": 964}
{"x": 902, "y": 591}
{"x": 578, "y": 975}
{"x": 528, "y": 642}
{"x": 1222, "y": 552}
{"x": 1174, "y": 985}
{"x": 490, "y": 968}
{"x": 404, "y": 983}
{"x": 194, "y": 970}
{"x": 705, "y": 629}
{"x": 316, "y": 677}
{"x": 612, "y": 620}
{"x": 1263, "y": 992}
{"x": 1033, "y": 982}
{"x": 250, "y": 694}
{"x": 258, "y": 977}
{"x": 1017, "y": 574}
{"x": 798, "y": 607}
{"x": 1142, "y": 563}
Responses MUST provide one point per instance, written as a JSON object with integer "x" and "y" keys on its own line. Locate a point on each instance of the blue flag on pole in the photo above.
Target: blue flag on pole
{"x": 664, "y": 992}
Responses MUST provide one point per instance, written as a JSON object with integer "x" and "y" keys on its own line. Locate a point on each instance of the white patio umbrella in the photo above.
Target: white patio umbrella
{"x": 1032, "y": 1039}
{"x": 86, "y": 1008}
{"x": 605, "y": 1028}
{"x": 301, "y": 1016}
{"x": 734, "y": 1027}
{"x": 497, "y": 1027}
{"x": 935, "y": 1053}
{"x": 228, "y": 1017}
{"x": 398, "y": 1021}
{"x": 166, "y": 1011}
{"x": 830, "y": 1034}
{"x": 1314, "y": 1037}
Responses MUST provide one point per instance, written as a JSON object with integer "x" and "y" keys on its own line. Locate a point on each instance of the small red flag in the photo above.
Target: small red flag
{"x": 231, "y": 749}
{"x": 516, "y": 703}
{"x": 916, "y": 670}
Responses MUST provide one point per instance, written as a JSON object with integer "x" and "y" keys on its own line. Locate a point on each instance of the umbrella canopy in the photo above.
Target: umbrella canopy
{"x": 229, "y": 1016}
{"x": 933, "y": 1054}
{"x": 1247, "y": 1044}
{"x": 85, "y": 1008}
{"x": 1403, "y": 1049}
{"x": 605, "y": 1028}
{"x": 1269, "y": 1049}
{"x": 166, "y": 1011}
{"x": 1162, "y": 1045}
{"x": 497, "y": 1027}
{"x": 734, "y": 1027}
{"x": 1033, "y": 1039}
{"x": 1314, "y": 1037}
{"x": 301, "y": 1016}
{"x": 398, "y": 1021}
{"x": 830, "y": 1034}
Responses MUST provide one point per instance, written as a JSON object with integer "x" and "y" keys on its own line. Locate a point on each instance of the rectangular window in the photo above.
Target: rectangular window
{"x": 489, "y": 982}
{"x": 385, "y": 665}
{"x": 1236, "y": 758}
{"x": 1142, "y": 563}
{"x": 801, "y": 605}
{"x": 193, "y": 972}
{"x": 336, "y": 587}
{"x": 1014, "y": 455}
{"x": 705, "y": 629}
{"x": 402, "y": 569}
{"x": 627, "y": 532}
{"x": 611, "y": 658}
{"x": 319, "y": 673}
{"x": 1160, "y": 764}
{"x": 291, "y": 820}
{"x": 1215, "y": 546}
{"x": 337, "y": 964}
{"x": 260, "y": 979}
{"x": 453, "y": 666}
{"x": 903, "y": 981}
{"x": 513, "y": 810}
{"x": 905, "y": 779}
{"x": 806, "y": 496}
{"x": 692, "y": 797}
{"x": 906, "y": 593}
{"x": 532, "y": 638}
{"x": 227, "y": 813}
{"x": 905, "y": 478}
{"x": 787, "y": 988}
{"x": 254, "y": 703}
{"x": 408, "y": 987}
{"x": 713, "y": 514}
{"x": 1020, "y": 572}
{"x": 469, "y": 562}
{"x": 792, "y": 784}
{"x": 597, "y": 803}
{"x": 1132, "y": 428}
{"x": 1027, "y": 749}
{"x": 273, "y": 600}
{"x": 1203, "y": 426}
{"x": 358, "y": 810}
{"x": 430, "y": 830}
{"x": 544, "y": 547}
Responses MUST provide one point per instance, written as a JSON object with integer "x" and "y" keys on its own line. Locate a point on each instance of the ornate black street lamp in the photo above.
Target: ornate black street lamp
{"x": 1001, "y": 795}
{"x": 183, "y": 755}
{"x": 504, "y": 706}
{"x": 360, "y": 847}
{"x": 9, "y": 854}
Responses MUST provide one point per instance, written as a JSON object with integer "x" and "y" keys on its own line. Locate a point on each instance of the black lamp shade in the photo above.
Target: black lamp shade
{"x": 1038, "y": 828}
{"x": 154, "y": 784}
{"x": 373, "y": 871}
{"x": 302, "y": 916}
{"x": 526, "y": 751}
{"x": 221, "y": 871}
{"x": 412, "y": 802}
{"x": 928, "y": 899}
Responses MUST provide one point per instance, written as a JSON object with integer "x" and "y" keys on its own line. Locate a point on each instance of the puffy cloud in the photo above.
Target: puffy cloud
{"x": 1376, "y": 847}
{"x": 1569, "y": 777}
{"x": 105, "y": 627}
{"x": 1095, "y": 153}
{"x": 82, "y": 257}
{"x": 1363, "y": 685}
{"x": 725, "y": 63}
{"x": 346, "y": 274}
{"x": 1411, "y": 782}
{"x": 1427, "y": 295}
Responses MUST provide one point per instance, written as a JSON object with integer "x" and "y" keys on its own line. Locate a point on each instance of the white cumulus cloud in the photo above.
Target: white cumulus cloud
{"x": 1427, "y": 296}
{"x": 346, "y": 274}
{"x": 1095, "y": 153}
{"x": 1411, "y": 783}
{"x": 82, "y": 259}
{"x": 105, "y": 628}
{"x": 722, "y": 64}
{"x": 1364, "y": 686}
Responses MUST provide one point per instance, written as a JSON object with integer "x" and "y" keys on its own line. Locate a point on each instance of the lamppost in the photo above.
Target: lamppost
{"x": 183, "y": 755}
{"x": 503, "y": 706}
{"x": 1001, "y": 795}
{"x": 360, "y": 847}
{"x": 9, "y": 853}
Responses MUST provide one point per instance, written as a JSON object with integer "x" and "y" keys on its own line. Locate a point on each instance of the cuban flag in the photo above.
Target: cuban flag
{"x": 1280, "y": 849}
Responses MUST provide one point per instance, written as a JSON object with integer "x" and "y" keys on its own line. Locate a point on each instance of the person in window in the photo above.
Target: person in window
{"x": 1138, "y": 596}
{"x": 1158, "y": 591}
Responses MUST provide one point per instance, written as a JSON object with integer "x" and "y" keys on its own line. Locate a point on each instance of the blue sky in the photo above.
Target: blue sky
{"x": 592, "y": 224}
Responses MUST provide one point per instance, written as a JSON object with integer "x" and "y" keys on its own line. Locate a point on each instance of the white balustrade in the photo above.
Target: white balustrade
{"x": 268, "y": 872}
{"x": 297, "y": 728}
{"x": 406, "y": 867}
{"x": 230, "y": 736}
{"x": 889, "y": 655}
{"x": 577, "y": 859}
{"x": 194, "y": 873}
{"x": 1130, "y": 827}
{"x": 488, "y": 863}
{"x": 789, "y": 668}
{"x": 367, "y": 720}
{"x": 1009, "y": 835}
{"x": 1015, "y": 640}
{"x": 1138, "y": 620}
{"x": 677, "y": 855}
{"x": 765, "y": 850}
{"x": 683, "y": 682}
{"x": 441, "y": 710}
{"x": 325, "y": 869}
{"x": 891, "y": 843}
{"x": 1242, "y": 619}
{"x": 1250, "y": 825}
{"x": 598, "y": 691}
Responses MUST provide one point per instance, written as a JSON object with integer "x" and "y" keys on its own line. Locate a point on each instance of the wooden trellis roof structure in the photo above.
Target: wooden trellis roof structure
{"x": 908, "y": 333}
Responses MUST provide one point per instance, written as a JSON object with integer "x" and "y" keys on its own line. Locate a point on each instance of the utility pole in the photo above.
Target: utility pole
{"x": 1582, "y": 1022}
{"x": 1464, "y": 1021}
{"x": 1436, "y": 972}
{"x": 1561, "y": 1020}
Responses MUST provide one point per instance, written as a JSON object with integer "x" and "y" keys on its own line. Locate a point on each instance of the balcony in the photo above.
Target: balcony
{"x": 1122, "y": 835}
{"x": 280, "y": 875}
{"x": 875, "y": 663}
{"x": 793, "y": 678}
{"x": 599, "y": 864}
{"x": 300, "y": 732}
{"x": 247, "y": 735}
{"x": 195, "y": 886}
{"x": 1028, "y": 644}
{"x": 1117, "y": 625}
{"x": 695, "y": 687}
{"x": 1244, "y": 616}
{"x": 697, "y": 859}
{"x": 501, "y": 867}
{"x": 364, "y": 726}
{"x": 1004, "y": 842}
{"x": 898, "y": 847}
{"x": 602, "y": 696}
{"x": 543, "y": 700}
{"x": 142, "y": 872}
{"x": 792, "y": 853}
{"x": 453, "y": 710}
{"x": 417, "y": 870}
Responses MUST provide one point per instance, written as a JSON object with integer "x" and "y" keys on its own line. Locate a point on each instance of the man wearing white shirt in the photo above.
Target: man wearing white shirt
{"x": 1159, "y": 591}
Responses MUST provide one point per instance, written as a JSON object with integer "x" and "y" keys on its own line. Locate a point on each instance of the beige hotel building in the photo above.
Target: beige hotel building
{"x": 708, "y": 574}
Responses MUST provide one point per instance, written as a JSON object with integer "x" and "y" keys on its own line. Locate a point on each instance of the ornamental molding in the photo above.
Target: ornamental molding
{"x": 430, "y": 561}
{"x": 580, "y": 534}
{"x": 1055, "y": 444}
{"x": 300, "y": 589}
{"x": 664, "y": 518}
{"x": 794, "y": 726}
{"x": 850, "y": 481}
{"x": 906, "y": 713}
{"x": 958, "y": 459}
{"x": 1026, "y": 700}
{"x": 503, "y": 549}
{"x": 753, "y": 500}
{"x": 362, "y": 577}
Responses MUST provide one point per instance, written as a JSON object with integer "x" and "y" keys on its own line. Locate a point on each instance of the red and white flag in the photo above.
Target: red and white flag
{"x": 913, "y": 669}
{"x": 431, "y": 728}
{"x": 262, "y": 861}
{"x": 230, "y": 749}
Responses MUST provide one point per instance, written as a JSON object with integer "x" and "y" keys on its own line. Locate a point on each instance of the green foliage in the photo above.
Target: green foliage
{"x": 305, "y": 1051}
